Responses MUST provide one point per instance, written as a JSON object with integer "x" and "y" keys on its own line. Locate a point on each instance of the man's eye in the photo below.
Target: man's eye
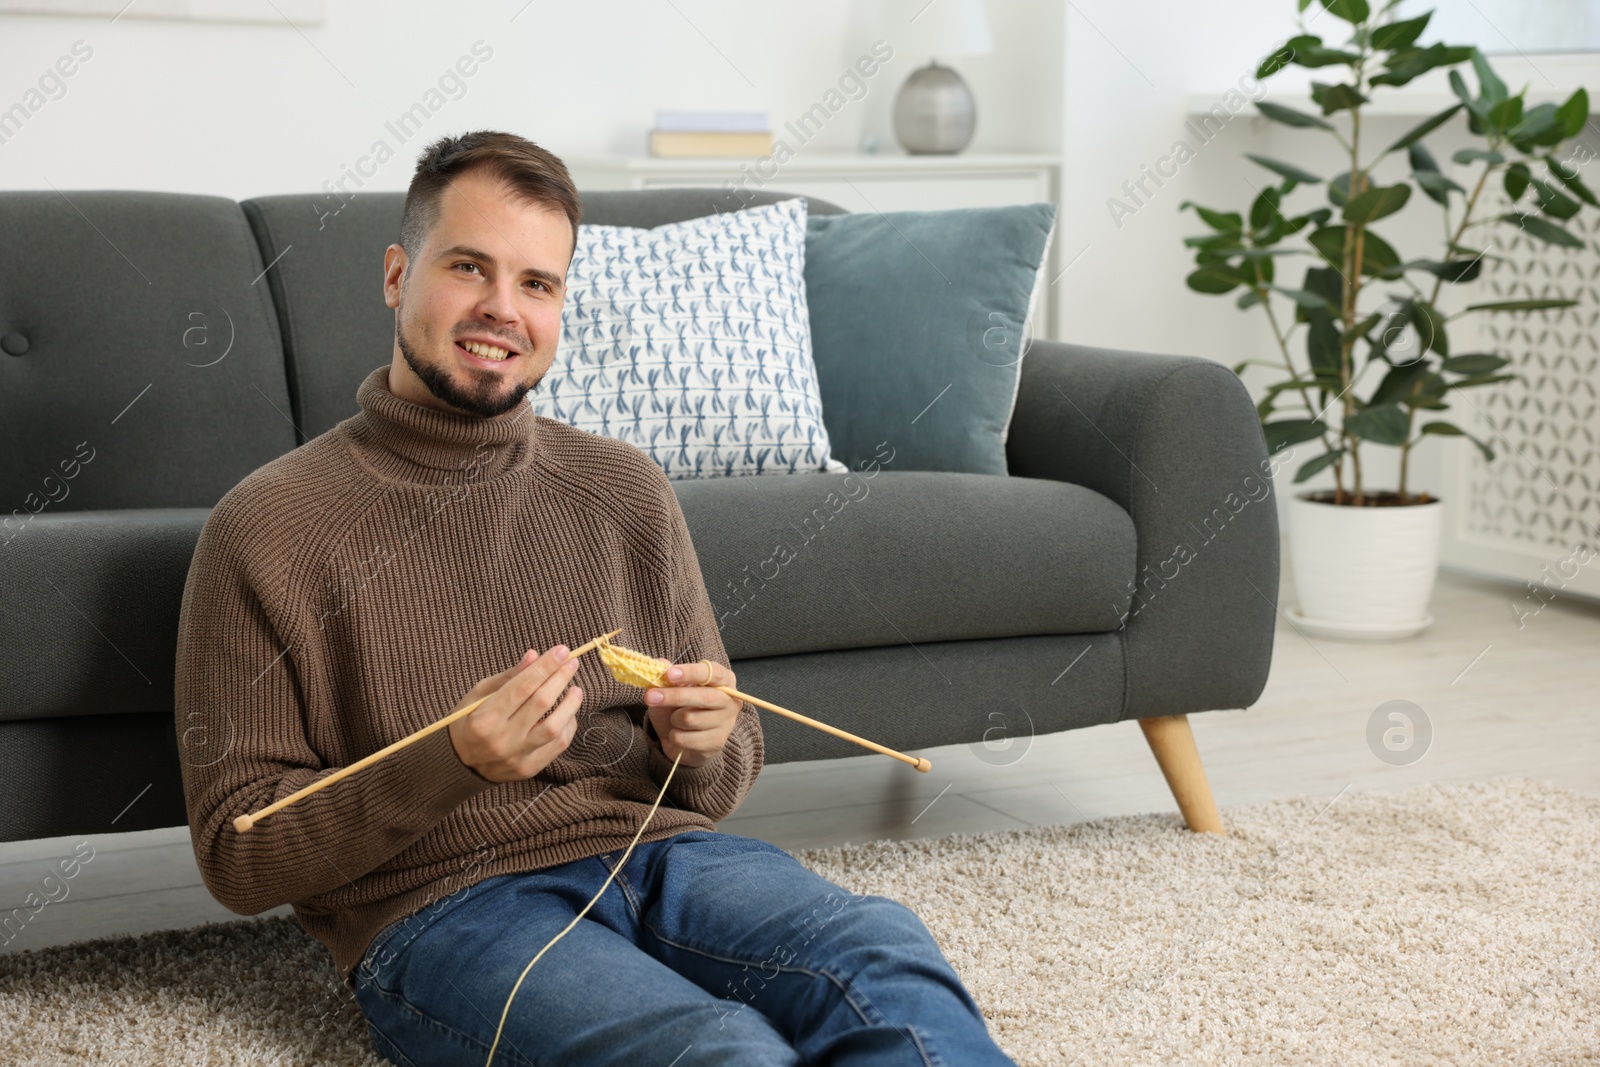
{"x": 474, "y": 266}
{"x": 535, "y": 281}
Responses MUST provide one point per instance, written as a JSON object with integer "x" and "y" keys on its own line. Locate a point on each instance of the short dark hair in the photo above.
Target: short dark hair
{"x": 535, "y": 174}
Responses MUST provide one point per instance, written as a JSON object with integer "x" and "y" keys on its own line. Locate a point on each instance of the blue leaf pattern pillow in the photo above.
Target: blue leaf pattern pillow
{"x": 692, "y": 342}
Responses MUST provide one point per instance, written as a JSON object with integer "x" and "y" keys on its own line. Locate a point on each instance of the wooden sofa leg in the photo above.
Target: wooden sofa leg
{"x": 1173, "y": 744}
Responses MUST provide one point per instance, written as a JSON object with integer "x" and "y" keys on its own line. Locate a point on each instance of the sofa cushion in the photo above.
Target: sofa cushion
{"x": 95, "y": 596}
{"x": 917, "y": 324}
{"x": 885, "y": 557}
{"x": 327, "y": 278}
{"x": 690, "y": 341}
{"x": 142, "y": 365}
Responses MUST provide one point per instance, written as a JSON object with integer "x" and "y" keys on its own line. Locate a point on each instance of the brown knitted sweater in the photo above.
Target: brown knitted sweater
{"x": 351, "y": 591}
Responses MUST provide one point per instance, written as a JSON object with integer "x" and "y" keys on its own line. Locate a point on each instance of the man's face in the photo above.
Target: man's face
{"x": 493, "y": 271}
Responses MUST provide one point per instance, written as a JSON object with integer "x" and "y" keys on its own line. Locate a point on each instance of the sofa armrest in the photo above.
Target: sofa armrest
{"x": 1176, "y": 442}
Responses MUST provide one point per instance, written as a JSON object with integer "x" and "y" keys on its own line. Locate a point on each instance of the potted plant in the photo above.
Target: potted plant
{"x": 1378, "y": 367}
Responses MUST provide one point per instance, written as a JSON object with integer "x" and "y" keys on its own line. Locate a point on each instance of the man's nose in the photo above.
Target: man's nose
{"x": 499, "y": 302}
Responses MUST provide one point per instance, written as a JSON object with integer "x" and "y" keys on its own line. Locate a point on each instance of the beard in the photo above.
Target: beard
{"x": 481, "y": 395}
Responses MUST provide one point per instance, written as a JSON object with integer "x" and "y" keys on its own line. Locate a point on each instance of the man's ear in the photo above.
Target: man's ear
{"x": 395, "y": 266}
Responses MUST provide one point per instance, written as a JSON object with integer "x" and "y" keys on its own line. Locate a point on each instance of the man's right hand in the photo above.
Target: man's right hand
{"x": 509, "y": 737}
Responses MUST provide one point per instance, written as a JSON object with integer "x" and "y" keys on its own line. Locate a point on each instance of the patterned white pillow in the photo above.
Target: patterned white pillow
{"x": 692, "y": 342}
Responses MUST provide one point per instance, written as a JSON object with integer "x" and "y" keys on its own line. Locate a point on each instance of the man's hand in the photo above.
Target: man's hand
{"x": 689, "y": 715}
{"x": 510, "y": 736}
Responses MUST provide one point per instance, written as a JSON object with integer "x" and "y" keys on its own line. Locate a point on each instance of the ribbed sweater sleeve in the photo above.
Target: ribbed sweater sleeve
{"x": 243, "y": 742}
{"x": 716, "y": 787}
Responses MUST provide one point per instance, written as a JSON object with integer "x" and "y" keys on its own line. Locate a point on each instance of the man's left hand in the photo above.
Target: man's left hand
{"x": 689, "y": 715}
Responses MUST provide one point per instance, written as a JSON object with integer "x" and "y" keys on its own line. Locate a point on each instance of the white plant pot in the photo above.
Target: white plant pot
{"x": 1363, "y": 573}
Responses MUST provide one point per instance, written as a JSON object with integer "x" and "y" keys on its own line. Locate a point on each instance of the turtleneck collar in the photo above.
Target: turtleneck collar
{"x": 409, "y": 442}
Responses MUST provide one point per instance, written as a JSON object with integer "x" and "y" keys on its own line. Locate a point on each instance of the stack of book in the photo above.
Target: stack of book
{"x": 711, "y": 133}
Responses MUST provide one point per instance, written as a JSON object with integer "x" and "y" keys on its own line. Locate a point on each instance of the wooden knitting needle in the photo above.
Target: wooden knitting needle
{"x": 920, "y": 764}
{"x": 244, "y": 822}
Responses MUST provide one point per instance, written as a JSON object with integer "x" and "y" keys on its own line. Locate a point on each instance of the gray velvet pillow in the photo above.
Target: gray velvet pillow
{"x": 917, "y": 322}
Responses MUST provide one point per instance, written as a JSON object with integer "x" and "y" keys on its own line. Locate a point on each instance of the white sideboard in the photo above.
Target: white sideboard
{"x": 856, "y": 182}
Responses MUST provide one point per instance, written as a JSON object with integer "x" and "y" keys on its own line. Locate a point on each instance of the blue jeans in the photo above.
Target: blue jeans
{"x": 708, "y": 948}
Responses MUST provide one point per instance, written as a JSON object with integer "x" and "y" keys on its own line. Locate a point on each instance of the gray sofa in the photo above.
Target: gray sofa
{"x": 155, "y": 348}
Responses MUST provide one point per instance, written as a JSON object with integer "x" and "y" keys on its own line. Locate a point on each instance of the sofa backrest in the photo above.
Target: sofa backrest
{"x": 155, "y": 348}
{"x": 139, "y": 357}
{"x": 327, "y": 281}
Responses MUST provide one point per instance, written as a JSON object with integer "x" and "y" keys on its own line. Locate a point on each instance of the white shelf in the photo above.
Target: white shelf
{"x": 815, "y": 162}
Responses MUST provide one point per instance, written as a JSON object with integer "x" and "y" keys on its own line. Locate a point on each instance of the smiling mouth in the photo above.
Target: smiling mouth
{"x": 478, "y": 352}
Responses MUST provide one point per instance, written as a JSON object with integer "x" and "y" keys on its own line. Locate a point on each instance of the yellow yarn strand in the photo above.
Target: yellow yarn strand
{"x": 631, "y": 668}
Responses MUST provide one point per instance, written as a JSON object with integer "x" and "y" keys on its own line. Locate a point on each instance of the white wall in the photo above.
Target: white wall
{"x": 241, "y": 110}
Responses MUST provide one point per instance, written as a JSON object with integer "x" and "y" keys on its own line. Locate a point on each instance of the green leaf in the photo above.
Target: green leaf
{"x": 1281, "y": 58}
{"x": 1378, "y": 257}
{"x": 1506, "y": 114}
{"x": 1339, "y": 190}
{"x": 1436, "y": 186}
{"x": 1516, "y": 181}
{"x": 1248, "y": 300}
{"x": 1574, "y": 113}
{"x": 1408, "y": 63}
{"x": 1264, "y": 209}
{"x": 1290, "y": 117}
{"x": 1559, "y": 205}
{"x": 1286, "y": 432}
{"x": 1430, "y": 328}
{"x": 1287, "y": 170}
{"x": 1421, "y": 158}
{"x": 1429, "y": 394}
{"x": 1474, "y": 363}
{"x": 1523, "y": 305}
{"x": 1571, "y": 181}
{"x": 1477, "y": 111}
{"x": 1397, "y": 383}
{"x": 1483, "y": 379}
{"x": 1322, "y": 347}
{"x": 1215, "y": 242}
{"x": 1336, "y": 97}
{"x": 1317, "y": 56}
{"x": 1469, "y": 155}
{"x": 1544, "y": 230}
{"x": 1225, "y": 222}
{"x": 1310, "y": 468}
{"x": 1446, "y": 429}
{"x": 1453, "y": 271}
{"x": 1423, "y": 129}
{"x": 1382, "y": 424}
{"x": 1326, "y": 283}
{"x": 1490, "y": 87}
{"x": 1311, "y": 218}
{"x": 1211, "y": 280}
{"x": 1540, "y": 126}
{"x": 1400, "y": 34}
{"x": 1307, "y": 299}
{"x": 1376, "y": 203}
{"x": 1352, "y": 11}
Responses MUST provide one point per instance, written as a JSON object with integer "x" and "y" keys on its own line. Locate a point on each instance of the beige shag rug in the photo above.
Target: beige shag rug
{"x": 1443, "y": 924}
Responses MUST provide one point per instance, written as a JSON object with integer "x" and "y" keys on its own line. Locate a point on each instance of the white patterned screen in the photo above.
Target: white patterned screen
{"x": 1539, "y": 500}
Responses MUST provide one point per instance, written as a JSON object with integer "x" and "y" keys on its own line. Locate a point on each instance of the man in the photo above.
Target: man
{"x": 348, "y": 593}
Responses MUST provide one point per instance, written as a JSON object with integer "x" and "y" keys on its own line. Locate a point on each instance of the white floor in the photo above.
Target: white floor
{"x": 1501, "y": 700}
